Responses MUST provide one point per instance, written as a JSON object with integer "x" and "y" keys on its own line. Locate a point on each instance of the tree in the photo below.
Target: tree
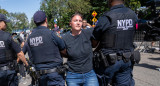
{"x": 63, "y": 9}
{"x": 19, "y": 20}
{"x": 3, "y": 11}
{"x": 133, "y": 4}
{"x": 32, "y": 24}
{"x": 100, "y": 6}
{"x": 53, "y": 9}
{"x": 9, "y": 26}
{"x": 143, "y": 2}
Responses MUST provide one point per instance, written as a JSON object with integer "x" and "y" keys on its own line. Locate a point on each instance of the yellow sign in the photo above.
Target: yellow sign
{"x": 94, "y": 19}
{"x": 94, "y": 13}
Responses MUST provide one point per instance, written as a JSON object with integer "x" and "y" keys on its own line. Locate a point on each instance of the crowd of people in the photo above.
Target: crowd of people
{"x": 111, "y": 63}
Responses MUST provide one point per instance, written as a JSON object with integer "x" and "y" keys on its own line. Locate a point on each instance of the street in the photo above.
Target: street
{"x": 145, "y": 73}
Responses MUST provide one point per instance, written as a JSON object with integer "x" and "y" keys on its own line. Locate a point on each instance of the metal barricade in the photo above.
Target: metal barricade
{"x": 143, "y": 45}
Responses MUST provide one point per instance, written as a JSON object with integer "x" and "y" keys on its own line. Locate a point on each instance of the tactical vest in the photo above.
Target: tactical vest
{"x": 121, "y": 31}
{"x": 6, "y": 53}
{"x": 42, "y": 47}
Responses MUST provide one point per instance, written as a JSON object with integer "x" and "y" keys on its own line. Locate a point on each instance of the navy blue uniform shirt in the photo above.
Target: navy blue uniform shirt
{"x": 57, "y": 41}
{"x": 12, "y": 44}
{"x": 102, "y": 25}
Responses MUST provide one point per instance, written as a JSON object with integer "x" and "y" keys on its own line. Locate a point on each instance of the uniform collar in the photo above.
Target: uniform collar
{"x": 117, "y": 6}
{"x": 42, "y": 27}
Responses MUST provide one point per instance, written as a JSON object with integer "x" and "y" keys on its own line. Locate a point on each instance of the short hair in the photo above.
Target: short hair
{"x": 75, "y": 15}
{"x": 40, "y": 23}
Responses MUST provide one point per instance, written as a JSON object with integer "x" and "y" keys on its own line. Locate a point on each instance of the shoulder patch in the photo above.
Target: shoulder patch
{"x": 58, "y": 35}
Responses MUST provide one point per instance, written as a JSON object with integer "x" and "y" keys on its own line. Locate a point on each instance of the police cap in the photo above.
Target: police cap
{"x": 3, "y": 18}
{"x": 39, "y": 17}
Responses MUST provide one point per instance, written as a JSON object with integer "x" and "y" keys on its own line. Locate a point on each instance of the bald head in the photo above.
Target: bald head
{"x": 115, "y": 2}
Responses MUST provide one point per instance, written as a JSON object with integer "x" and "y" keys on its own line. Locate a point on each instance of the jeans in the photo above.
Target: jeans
{"x": 8, "y": 78}
{"x": 85, "y": 79}
{"x": 120, "y": 73}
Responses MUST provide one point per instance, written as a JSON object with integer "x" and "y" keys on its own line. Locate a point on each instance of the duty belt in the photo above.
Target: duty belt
{"x": 4, "y": 68}
{"x": 117, "y": 57}
{"x": 47, "y": 71}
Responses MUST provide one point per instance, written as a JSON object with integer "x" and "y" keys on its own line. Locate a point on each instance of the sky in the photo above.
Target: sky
{"x": 29, "y": 7}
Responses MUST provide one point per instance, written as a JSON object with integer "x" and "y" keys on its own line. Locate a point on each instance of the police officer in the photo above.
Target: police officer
{"x": 18, "y": 39}
{"x": 45, "y": 45}
{"x": 8, "y": 48}
{"x": 115, "y": 31}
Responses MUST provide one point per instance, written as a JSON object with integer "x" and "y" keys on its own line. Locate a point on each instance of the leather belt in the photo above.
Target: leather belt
{"x": 4, "y": 68}
{"x": 47, "y": 71}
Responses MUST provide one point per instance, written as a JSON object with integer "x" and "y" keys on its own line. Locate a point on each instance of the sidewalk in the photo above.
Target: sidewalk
{"x": 146, "y": 72}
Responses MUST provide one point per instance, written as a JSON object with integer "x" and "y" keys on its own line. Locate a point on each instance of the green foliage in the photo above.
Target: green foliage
{"x": 63, "y": 9}
{"x": 3, "y": 11}
{"x": 133, "y": 4}
{"x": 18, "y": 20}
{"x": 100, "y": 6}
{"x": 81, "y": 6}
{"x": 32, "y": 24}
{"x": 9, "y": 28}
{"x": 53, "y": 9}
